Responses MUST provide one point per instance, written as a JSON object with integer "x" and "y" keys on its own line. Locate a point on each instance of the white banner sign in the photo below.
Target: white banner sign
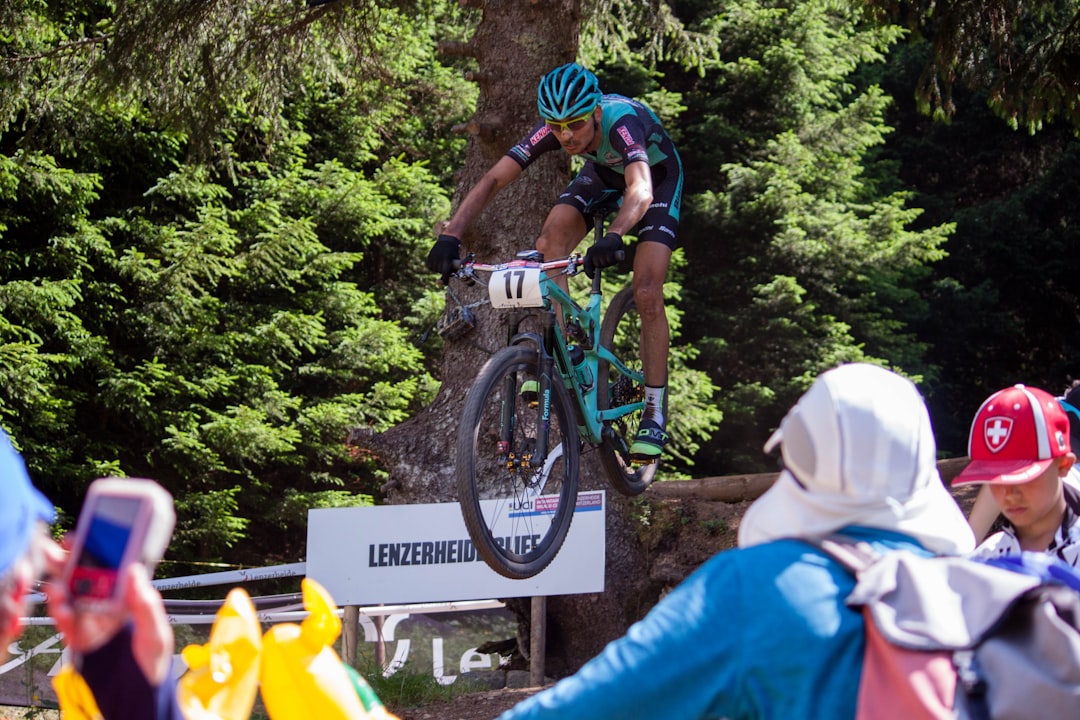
{"x": 422, "y": 553}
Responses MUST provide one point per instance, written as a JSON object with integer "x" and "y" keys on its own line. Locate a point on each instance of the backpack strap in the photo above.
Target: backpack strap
{"x": 854, "y": 555}
{"x": 895, "y": 681}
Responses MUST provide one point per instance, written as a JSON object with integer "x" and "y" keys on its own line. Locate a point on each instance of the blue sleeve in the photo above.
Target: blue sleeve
{"x": 681, "y": 661}
{"x": 119, "y": 686}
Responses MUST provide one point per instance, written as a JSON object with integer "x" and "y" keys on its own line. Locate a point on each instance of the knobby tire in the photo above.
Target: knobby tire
{"x": 620, "y": 332}
{"x": 498, "y": 433}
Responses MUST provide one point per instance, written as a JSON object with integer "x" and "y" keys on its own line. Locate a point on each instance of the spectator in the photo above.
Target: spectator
{"x": 762, "y": 631}
{"x": 1020, "y": 448}
{"x": 26, "y": 551}
{"x": 125, "y": 660}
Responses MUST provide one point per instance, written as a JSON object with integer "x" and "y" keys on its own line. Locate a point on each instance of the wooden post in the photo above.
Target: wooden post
{"x": 350, "y": 628}
{"x": 537, "y": 641}
{"x": 380, "y": 643}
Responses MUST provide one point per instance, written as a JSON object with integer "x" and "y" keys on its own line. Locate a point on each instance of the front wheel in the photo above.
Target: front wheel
{"x": 620, "y": 333}
{"x": 517, "y": 475}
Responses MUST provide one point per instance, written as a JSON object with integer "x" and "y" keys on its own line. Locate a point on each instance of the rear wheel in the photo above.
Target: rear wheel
{"x": 517, "y": 476}
{"x": 620, "y": 333}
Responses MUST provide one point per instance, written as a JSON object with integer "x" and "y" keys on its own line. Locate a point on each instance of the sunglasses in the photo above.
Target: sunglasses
{"x": 573, "y": 125}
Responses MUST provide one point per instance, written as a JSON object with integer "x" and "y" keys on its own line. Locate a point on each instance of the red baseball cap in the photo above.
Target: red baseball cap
{"x": 1017, "y": 433}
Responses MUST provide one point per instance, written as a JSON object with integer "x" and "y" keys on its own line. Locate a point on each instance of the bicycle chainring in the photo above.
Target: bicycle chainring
{"x": 626, "y": 391}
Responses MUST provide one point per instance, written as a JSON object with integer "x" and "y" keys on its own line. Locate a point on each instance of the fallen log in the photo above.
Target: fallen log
{"x": 740, "y": 488}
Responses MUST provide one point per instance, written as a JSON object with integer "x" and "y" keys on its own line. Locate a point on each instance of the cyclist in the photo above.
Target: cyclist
{"x": 629, "y": 160}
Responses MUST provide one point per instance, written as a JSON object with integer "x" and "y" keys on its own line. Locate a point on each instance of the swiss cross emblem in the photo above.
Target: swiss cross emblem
{"x": 996, "y": 432}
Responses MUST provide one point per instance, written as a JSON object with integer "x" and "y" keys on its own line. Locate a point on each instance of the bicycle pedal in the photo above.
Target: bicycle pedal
{"x": 637, "y": 462}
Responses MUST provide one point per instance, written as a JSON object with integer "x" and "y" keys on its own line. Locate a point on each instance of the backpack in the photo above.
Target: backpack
{"x": 957, "y": 638}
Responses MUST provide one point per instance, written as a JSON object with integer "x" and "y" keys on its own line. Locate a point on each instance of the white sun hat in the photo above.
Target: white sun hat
{"x": 858, "y": 449}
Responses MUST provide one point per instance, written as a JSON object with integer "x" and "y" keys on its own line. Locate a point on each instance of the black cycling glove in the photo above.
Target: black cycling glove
{"x": 442, "y": 256}
{"x": 604, "y": 253}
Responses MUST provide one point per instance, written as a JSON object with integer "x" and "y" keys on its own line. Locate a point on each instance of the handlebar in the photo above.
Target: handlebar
{"x": 464, "y": 267}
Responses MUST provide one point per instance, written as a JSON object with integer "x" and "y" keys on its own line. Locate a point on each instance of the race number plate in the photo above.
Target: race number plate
{"x": 513, "y": 287}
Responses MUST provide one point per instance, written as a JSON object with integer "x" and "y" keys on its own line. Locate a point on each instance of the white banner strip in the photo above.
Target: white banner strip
{"x": 231, "y": 577}
{"x": 227, "y": 577}
{"x": 299, "y": 615}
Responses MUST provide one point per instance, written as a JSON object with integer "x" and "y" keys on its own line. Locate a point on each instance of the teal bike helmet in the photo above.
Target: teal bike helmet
{"x": 566, "y": 92}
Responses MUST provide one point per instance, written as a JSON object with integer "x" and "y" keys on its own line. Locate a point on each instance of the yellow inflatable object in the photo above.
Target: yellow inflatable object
{"x": 302, "y": 677}
{"x": 76, "y": 700}
{"x": 223, "y": 674}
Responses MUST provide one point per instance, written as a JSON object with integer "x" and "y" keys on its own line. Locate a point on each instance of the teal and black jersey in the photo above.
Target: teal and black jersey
{"x": 629, "y": 132}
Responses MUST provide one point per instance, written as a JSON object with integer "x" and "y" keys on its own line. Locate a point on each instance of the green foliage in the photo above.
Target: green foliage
{"x": 355, "y": 73}
{"x": 714, "y": 528}
{"x": 810, "y": 264}
{"x": 1021, "y": 54}
{"x": 625, "y": 31}
{"x": 221, "y": 326}
{"x": 212, "y": 220}
{"x": 208, "y": 337}
{"x": 1004, "y": 299}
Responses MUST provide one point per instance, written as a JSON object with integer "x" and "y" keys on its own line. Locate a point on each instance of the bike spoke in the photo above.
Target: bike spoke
{"x": 521, "y": 504}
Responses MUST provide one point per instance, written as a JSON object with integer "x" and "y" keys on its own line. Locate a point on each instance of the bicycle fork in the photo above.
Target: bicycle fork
{"x": 520, "y": 456}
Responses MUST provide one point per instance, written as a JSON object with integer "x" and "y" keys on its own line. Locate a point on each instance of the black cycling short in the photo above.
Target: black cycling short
{"x": 600, "y": 188}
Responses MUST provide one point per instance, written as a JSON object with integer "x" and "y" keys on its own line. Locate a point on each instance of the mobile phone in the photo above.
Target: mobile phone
{"x": 123, "y": 520}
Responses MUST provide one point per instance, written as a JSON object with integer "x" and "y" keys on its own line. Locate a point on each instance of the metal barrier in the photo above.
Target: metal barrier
{"x": 378, "y": 623}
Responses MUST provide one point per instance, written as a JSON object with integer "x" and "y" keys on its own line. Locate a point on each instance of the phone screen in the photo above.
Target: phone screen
{"x": 98, "y": 564}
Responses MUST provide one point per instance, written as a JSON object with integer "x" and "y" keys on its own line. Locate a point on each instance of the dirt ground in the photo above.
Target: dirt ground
{"x": 485, "y": 705}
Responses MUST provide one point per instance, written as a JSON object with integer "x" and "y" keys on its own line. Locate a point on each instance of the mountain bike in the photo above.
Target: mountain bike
{"x": 565, "y": 378}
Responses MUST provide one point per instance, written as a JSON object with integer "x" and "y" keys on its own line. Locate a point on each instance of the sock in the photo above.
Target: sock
{"x": 654, "y": 404}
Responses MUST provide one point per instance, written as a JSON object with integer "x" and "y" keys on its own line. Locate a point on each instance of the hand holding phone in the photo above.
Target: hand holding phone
{"x": 123, "y": 521}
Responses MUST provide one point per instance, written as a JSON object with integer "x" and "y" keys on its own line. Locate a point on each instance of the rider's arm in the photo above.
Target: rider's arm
{"x": 501, "y": 174}
{"x": 636, "y": 199}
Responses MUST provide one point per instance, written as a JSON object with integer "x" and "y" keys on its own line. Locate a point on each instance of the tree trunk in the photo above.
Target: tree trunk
{"x": 514, "y": 45}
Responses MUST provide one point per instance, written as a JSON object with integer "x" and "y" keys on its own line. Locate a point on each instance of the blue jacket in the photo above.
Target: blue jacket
{"x": 760, "y": 632}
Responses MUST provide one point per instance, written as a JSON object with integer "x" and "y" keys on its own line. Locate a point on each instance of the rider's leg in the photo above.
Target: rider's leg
{"x": 563, "y": 230}
{"x": 651, "y": 260}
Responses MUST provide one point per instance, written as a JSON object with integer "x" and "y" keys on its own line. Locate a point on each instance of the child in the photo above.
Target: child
{"x": 1020, "y": 448}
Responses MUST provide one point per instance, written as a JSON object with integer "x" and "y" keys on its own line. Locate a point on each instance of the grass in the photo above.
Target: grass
{"x": 410, "y": 688}
{"x": 23, "y": 713}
